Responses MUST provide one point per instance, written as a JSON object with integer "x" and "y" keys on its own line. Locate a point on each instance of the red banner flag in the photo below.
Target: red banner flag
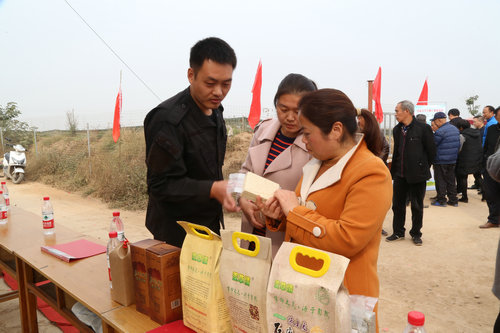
{"x": 377, "y": 87}
{"x": 254, "y": 115}
{"x": 116, "y": 120}
{"x": 424, "y": 95}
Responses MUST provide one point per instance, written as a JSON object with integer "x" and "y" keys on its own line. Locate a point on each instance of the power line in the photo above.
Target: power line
{"x": 113, "y": 51}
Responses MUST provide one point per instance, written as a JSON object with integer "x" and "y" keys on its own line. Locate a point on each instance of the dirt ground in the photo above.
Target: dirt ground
{"x": 449, "y": 278}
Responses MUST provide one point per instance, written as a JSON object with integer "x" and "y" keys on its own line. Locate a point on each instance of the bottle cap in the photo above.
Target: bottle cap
{"x": 113, "y": 234}
{"x": 46, "y": 198}
{"x": 1, "y": 192}
{"x": 3, "y": 183}
{"x": 116, "y": 213}
{"x": 416, "y": 318}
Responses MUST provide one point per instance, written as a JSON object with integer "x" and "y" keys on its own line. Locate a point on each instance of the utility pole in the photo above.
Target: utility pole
{"x": 370, "y": 95}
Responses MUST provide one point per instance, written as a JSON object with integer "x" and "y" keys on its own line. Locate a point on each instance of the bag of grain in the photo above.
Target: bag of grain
{"x": 244, "y": 275}
{"x": 306, "y": 292}
{"x": 203, "y": 305}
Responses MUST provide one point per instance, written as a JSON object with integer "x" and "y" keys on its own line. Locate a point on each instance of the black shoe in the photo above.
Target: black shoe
{"x": 480, "y": 192}
{"x": 384, "y": 233}
{"x": 463, "y": 199}
{"x": 417, "y": 241}
{"x": 454, "y": 204}
{"x": 474, "y": 187}
{"x": 394, "y": 237}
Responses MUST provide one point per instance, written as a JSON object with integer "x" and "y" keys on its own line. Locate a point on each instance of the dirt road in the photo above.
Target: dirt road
{"x": 449, "y": 278}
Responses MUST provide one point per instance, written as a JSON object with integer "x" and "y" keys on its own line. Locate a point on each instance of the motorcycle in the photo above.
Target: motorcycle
{"x": 14, "y": 163}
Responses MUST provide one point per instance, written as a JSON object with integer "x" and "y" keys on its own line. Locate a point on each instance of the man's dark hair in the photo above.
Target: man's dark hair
{"x": 211, "y": 48}
{"x": 462, "y": 124}
{"x": 454, "y": 112}
{"x": 489, "y": 107}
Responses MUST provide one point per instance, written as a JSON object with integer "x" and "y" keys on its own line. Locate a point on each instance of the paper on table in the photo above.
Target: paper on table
{"x": 78, "y": 249}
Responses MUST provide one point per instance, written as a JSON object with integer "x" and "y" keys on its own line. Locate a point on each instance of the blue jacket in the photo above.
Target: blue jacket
{"x": 447, "y": 139}
{"x": 489, "y": 122}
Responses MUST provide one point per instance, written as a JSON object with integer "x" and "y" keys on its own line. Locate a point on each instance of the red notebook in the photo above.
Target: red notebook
{"x": 78, "y": 249}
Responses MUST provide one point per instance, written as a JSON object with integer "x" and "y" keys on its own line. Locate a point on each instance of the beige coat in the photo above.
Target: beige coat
{"x": 286, "y": 169}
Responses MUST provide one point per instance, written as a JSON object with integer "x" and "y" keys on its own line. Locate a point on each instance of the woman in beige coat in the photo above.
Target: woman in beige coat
{"x": 277, "y": 152}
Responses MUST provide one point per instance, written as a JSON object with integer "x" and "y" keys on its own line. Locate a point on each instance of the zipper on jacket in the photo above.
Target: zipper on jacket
{"x": 403, "y": 151}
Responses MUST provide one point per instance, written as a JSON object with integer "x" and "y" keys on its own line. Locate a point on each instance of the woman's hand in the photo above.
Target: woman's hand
{"x": 287, "y": 200}
{"x": 252, "y": 213}
{"x": 271, "y": 208}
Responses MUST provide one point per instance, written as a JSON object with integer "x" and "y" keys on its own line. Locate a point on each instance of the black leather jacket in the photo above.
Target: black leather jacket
{"x": 414, "y": 152}
{"x": 184, "y": 155}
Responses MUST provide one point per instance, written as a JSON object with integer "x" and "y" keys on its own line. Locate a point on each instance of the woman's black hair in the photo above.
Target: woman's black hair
{"x": 294, "y": 84}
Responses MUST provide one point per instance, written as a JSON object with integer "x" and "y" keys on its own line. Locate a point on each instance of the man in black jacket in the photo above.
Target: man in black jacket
{"x": 185, "y": 147}
{"x": 414, "y": 152}
{"x": 491, "y": 187}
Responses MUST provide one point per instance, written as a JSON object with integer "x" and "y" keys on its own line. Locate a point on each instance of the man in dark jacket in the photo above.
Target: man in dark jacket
{"x": 414, "y": 152}
{"x": 454, "y": 116}
{"x": 491, "y": 187}
{"x": 185, "y": 147}
{"x": 478, "y": 123}
{"x": 469, "y": 158}
{"x": 447, "y": 139}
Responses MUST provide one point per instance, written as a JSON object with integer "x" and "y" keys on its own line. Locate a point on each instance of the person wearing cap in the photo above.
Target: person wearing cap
{"x": 447, "y": 140}
{"x": 490, "y": 185}
{"x": 414, "y": 152}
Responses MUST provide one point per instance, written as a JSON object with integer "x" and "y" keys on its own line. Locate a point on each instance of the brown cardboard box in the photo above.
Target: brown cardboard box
{"x": 164, "y": 283}
{"x": 138, "y": 253}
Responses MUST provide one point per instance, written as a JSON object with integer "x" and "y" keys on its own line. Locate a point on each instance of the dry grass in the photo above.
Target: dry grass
{"x": 115, "y": 173}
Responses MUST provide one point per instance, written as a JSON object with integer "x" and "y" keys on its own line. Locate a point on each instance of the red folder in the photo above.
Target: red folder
{"x": 78, "y": 249}
{"x": 173, "y": 327}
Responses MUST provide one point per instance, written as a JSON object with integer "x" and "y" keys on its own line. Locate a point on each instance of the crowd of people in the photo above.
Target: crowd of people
{"x": 328, "y": 157}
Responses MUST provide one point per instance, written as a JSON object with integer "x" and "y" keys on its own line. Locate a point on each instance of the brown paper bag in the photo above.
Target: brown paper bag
{"x": 203, "y": 305}
{"x": 306, "y": 292}
{"x": 244, "y": 276}
{"x": 122, "y": 275}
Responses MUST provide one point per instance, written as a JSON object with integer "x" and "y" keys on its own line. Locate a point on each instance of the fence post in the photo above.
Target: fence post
{"x": 88, "y": 145}
{"x": 1, "y": 137}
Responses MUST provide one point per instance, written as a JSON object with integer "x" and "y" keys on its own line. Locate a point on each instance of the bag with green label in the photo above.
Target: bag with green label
{"x": 204, "y": 308}
{"x": 306, "y": 292}
{"x": 244, "y": 275}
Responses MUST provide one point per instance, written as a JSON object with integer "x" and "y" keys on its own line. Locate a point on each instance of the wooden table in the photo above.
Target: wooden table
{"x": 23, "y": 229}
{"x": 128, "y": 319}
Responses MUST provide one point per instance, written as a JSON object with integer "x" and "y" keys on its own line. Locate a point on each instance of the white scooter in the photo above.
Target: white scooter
{"x": 14, "y": 163}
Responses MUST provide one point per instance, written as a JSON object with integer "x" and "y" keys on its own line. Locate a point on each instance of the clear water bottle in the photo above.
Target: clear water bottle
{"x": 113, "y": 242}
{"x": 47, "y": 217}
{"x": 5, "y": 191}
{"x": 117, "y": 225}
{"x": 416, "y": 322}
{"x": 3, "y": 209}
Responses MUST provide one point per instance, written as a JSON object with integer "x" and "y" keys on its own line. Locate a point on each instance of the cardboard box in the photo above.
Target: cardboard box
{"x": 164, "y": 283}
{"x": 258, "y": 186}
{"x": 138, "y": 253}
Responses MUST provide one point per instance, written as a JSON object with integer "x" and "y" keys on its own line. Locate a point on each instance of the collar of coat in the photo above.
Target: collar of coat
{"x": 329, "y": 177}
{"x": 269, "y": 133}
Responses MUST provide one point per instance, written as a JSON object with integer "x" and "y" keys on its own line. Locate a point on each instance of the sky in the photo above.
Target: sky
{"x": 51, "y": 63}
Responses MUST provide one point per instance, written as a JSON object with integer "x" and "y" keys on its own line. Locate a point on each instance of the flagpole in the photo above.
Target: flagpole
{"x": 120, "y": 141}
{"x": 370, "y": 95}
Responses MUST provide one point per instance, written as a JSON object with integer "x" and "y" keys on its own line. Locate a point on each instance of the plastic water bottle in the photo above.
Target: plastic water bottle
{"x": 6, "y": 194}
{"x": 113, "y": 242}
{"x": 3, "y": 209}
{"x": 416, "y": 322}
{"x": 48, "y": 217}
{"x": 117, "y": 225}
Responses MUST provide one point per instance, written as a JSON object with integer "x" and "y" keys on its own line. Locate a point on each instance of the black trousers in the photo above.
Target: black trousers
{"x": 401, "y": 189}
{"x": 444, "y": 175}
{"x": 462, "y": 185}
{"x": 478, "y": 180}
{"x": 492, "y": 192}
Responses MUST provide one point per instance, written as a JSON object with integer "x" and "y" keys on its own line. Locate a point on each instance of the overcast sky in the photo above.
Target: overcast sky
{"x": 51, "y": 62}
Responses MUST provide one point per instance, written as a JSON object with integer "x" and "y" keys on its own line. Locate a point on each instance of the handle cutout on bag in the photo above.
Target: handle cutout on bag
{"x": 201, "y": 231}
{"x": 249, "y": 238}
{"x": 309, "y": 261}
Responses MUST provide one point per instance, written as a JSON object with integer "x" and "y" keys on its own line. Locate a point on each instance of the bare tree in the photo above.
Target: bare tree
{"x": 72, "y": 122}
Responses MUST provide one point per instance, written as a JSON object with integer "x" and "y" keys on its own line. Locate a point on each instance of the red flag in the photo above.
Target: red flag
{"x": 376, "y": 96}
{"x": 118, "y": 110}
{"x": 254, "y": 115}
{"x": 424, "y": 95}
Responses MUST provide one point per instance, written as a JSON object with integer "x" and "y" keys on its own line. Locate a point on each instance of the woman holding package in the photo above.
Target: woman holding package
{"x": 277, "y": 151}
{"x": 342, "y": 199}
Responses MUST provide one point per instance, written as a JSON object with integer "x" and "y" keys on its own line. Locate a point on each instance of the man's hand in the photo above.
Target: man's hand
{"x": 219, "y": 192}
{"x": 252, "y": 213}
